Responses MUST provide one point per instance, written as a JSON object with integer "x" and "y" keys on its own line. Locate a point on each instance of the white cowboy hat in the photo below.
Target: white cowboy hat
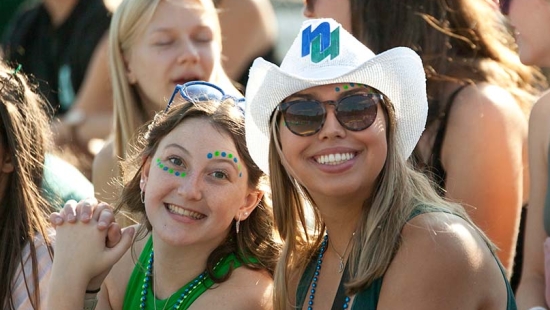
{"x": 324, "y": 53}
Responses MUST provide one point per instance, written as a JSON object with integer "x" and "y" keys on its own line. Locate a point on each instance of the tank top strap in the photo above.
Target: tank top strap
{"x": 436, "y": 166}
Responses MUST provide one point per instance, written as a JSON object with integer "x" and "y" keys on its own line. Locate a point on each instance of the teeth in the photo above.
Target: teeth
{"x": 334, "y": 159}
{"x": 183, "y": 212}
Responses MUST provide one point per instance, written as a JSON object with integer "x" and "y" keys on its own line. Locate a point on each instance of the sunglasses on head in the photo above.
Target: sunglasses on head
{"x": 306, "y": 117}
{"x": 200, "y": 91}
{"x": 504, "y": 6}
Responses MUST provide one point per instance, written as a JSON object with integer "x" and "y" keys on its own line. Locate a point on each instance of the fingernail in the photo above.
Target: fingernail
{"x": 85, "y": 216}
{"x": 70, "y": 217}
{"x": 102, "y": 224}
{"x": 57, "y": 221}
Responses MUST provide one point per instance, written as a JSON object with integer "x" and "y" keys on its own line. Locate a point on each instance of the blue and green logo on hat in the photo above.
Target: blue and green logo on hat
{"x": 321, "y": 42}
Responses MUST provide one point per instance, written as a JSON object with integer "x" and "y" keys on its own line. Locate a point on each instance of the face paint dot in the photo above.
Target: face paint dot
{"x": 352, "y": 84}
{"x": 224, "y": 154}
{"x": 240, "y": 174}
{"x": 216, "y": 153}
{"x": 171, "y": 171}
{"x": 209, "y": 155}
{"x": 346, "y": 86}
{"x": 230, "y": 155}
{"x": 177, "y": 173}
{"x": 161, "y": 165}
{"x": 158, "y": 160}
{"x": 165, "y": 168}
{"x": 183, "y": 174}
{"x": 235, "y": 159}
{"x": 337, "y": 89}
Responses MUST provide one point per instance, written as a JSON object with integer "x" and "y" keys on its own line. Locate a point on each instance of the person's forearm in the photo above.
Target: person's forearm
{"x": 530, "y": 293}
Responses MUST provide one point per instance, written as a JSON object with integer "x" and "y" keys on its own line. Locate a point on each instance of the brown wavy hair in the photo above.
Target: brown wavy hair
{"x": 460, "y": 41}
{"x": 256, "y": 235}
{"x": 24, "y": 138}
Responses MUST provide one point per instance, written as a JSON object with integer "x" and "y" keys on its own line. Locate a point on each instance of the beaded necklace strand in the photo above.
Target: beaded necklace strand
{"x": 316, "y": 276}
{"x": 190, "y": 287}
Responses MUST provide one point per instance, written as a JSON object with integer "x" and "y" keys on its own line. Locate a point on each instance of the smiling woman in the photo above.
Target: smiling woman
{"x": 381, "y": 237}
{"x": 206, "y": 222}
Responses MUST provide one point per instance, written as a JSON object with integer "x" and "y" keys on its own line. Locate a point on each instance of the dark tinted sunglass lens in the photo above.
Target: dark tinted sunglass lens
{"x": 304, "y": 118}
{"x": 358, "y": 112}
{"x": 202, "y": 92}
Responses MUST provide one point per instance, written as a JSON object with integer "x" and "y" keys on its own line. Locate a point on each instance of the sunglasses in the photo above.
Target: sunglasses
{"x": 305, "y": 117}
{"x": 200, "y": 91}
{"x": 504, "y": 6}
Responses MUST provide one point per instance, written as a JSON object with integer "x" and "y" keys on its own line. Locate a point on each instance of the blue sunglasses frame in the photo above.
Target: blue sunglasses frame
{"x": 200, "y": 91}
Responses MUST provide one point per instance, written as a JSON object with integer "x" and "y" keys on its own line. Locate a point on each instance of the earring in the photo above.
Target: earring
{"x": 142, "y": 196}
{"x": 238, "y": 223}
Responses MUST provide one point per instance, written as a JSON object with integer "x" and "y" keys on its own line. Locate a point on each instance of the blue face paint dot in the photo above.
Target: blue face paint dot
{"x": 235, "y": 159}
{"x": 224, "y": 154}
{"x": 216, "y": 153}
{"x": 177, "y": 173}
{"x": 240, "y": 174}
{"x": 337, "y": 89}
{"x": 352, "y": 84}
{"x": 165, "y": 168}
{"x": 209, "y": 155}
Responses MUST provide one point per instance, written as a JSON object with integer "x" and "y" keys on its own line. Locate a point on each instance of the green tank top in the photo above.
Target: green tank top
{"x": 133, "y": 291}
{"x": 367, "y": 299}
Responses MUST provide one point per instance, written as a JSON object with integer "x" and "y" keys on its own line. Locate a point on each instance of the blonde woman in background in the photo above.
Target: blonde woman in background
{"x": 154, "y": 45}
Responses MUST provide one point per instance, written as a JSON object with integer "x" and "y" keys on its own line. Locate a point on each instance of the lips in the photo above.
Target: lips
{"x": 335, "y": 158}
{"x": 184, "y": 212}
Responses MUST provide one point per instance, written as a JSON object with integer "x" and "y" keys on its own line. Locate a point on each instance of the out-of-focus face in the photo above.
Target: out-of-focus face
{"x": 339, "y": 10}
{"x": 195, "y": 185}
{"x": 182, "y": 43}
{"x": 335, "y": 161}
{"x": 531, "y": 20}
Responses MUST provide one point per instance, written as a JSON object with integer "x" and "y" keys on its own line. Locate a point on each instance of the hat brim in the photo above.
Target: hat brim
{"x": 398, "y": 73}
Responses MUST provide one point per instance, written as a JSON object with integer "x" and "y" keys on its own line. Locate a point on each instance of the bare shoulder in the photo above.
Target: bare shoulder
{"x": 487, "y": 102}
{"x": 443, "y": 262}
{"x": 103, "y": 170}
{"x": 117, "y": 279}
{"x": 257, "y": 284}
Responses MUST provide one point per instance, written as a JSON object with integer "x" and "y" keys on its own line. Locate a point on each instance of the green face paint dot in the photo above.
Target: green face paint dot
{"x": 216, "y": 153}
{"x": 346, "y": 86}
{"x": 158, "y": 160}
{"x": 171, "y": 171}
{"x": 161, "y": 165}
{"x": 230, "y": 155}
{"x": 183, "y": 174}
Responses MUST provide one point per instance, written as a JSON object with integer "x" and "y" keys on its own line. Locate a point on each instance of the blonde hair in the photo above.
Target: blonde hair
{"x": 399, "y": 190}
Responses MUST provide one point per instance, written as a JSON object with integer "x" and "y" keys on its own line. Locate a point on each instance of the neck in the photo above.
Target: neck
{"x": 173, "y": 267}
{"x": 59, "y": 10}
{"x": 341, "y": 222}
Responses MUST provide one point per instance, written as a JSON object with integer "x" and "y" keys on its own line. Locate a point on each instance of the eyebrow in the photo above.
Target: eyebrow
{"x": 178, "y": 147}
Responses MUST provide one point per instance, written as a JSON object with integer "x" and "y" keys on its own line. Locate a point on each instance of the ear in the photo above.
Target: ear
{"x": 251, "y": 202}
{"x": 130, "y": 75}
{"x": 145, "y": 173}
{"x": 7, "y": 163}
